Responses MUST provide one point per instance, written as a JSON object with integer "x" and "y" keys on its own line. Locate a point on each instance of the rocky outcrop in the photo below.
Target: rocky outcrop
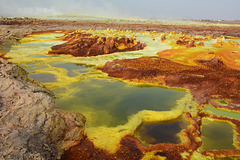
{"x": 10, "y": 36}
{"x": 188, "y": 44}
{"x": 85, "y": 45}
{"x": 31, "y": 125}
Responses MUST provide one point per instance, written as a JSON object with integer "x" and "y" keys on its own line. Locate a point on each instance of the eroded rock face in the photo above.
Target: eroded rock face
{"x": 31, "y": 125}
{"x": 85, "y": 45}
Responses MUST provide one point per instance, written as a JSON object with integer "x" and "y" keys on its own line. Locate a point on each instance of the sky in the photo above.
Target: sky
{"x": 169, "y": 9}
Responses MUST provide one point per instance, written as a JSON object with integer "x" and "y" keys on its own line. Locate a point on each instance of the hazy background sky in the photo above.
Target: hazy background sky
{"x": 175, "y": 9}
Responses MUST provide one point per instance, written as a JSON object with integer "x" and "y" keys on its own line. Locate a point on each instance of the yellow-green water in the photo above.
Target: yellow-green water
{"x": 78, "y": 86}
{"x": 162, "y": 132}
{"x": 109, "y": 103}
{"x": 217, "y": 135}
{"x": 112, "y": 108}
{"x": 219, "y": 112}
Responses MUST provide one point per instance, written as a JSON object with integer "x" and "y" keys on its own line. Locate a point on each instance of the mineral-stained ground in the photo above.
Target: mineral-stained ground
{"x": 85, "y": 45}
{"x": 204, "y": 60}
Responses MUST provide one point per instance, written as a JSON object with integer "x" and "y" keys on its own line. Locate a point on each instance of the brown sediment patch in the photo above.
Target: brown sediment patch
{"x": 3, "y": 56}
{"x": 212, "y": 79}
{"x": 85, "y": 150}
{"x": 84, "y": 45}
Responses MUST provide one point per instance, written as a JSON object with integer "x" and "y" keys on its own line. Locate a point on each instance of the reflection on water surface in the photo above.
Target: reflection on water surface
{"x": 112, "y": 107}
{"x": 109, "y": 103}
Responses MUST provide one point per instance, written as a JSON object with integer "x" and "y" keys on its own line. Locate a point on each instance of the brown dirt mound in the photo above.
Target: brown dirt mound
{"x": 85, "y": 45}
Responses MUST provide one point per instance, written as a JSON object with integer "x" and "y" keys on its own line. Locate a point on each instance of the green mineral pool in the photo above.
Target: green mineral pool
{"x": 217, "y": 135}
{"x": 113, "y": 108}
{"x": 110, "y": 102}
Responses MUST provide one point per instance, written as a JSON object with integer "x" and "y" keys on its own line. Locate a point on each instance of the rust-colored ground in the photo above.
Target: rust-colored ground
{"x": 126, "y": 25}
{"x": 209, "y": 80}
{"x": 210, "y": 75}
{"x": 131, "y": 148}
{"x": 85, "y": 150}
{"x": 84, "y": 45}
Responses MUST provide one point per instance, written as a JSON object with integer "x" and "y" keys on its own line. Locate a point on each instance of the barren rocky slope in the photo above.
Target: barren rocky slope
{"x": 31, "y": 125}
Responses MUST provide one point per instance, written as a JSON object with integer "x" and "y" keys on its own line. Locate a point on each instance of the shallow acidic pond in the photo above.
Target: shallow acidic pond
{"x": 111, "y": 106}
{"x": 109, "y": 103}
{"x": 79, "y": 87}
{"x": 163, "y": 132}
{"x": 215, "y": 137}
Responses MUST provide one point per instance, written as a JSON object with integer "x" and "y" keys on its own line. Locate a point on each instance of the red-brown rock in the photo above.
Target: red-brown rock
{"x": 85, "y": 45}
